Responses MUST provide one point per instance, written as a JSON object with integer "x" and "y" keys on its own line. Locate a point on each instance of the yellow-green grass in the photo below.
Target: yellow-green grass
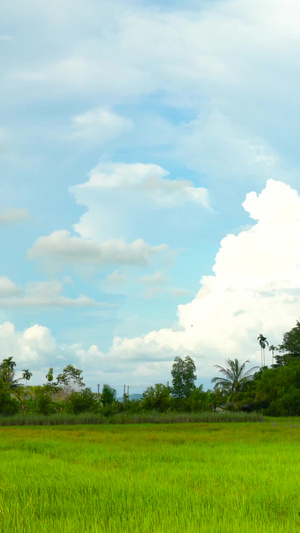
{"x": 151, "y": 478}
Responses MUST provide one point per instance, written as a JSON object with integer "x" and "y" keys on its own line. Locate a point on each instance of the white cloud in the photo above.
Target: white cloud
{"x": 99, "y": 125}
{"x": 137, "y": 193}
{"x": 276, "y": 204}
{"x": 8, "y": 288}
{"x": 145, "y": 179}
{"x": 11, "y": 215}
{"x": 61, "y": 247}
{"x": 255, "y": 288}
{"x": 36, "y": 348}
{"x": 32, "y": 346}
{"x": 40, "y": 294}
{"x": 232, "y": 74}
{"x": 216, "y": 60}
{"x": 85, "y": 74}
{"x": 183, "y": 52}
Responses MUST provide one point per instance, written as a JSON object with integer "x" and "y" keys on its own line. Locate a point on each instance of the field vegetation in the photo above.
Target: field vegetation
{"x": 126, "y": 417}
{"x": 151, "y": 478}
{"x": 269, "y": 390}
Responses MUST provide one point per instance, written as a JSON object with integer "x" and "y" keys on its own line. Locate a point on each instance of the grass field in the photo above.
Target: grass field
{"x": 220, "y": 477}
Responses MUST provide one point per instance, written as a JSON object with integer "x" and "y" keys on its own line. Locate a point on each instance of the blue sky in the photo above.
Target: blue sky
{"x": 148, "y": 178}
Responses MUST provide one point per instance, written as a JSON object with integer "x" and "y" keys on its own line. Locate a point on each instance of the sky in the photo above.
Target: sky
{"x": 149, "y": 184}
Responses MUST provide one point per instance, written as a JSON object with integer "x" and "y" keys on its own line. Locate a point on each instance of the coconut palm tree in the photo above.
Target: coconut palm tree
{"x": 263, "y": 343}
{"x": 26, "y": 374}
{"x": 235, "y": 376}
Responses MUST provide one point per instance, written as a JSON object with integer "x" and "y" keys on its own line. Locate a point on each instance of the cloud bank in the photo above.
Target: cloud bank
{"x": 254, "y": 288}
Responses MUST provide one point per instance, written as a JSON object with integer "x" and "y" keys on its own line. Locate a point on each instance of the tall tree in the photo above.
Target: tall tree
{"x": 184, "y": 376}
{"x": 263, "y": 343}
{"x": 235, "y": 376}
{"x": 70, "y": 377}
{"x": 272, "y": 349}
{"x": 7, "y": 374}
{"x": 26, "y": 374}
{"x": 109, "y": 395}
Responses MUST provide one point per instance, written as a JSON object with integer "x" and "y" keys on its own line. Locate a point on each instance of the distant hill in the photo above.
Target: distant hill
{"x": 136, "y": 396}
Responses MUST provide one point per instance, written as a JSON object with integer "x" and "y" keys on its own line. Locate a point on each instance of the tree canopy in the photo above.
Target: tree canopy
{"x": 290, "y": 346}
{"x": 184, "y": 376}
{"x": 70, "y": 377}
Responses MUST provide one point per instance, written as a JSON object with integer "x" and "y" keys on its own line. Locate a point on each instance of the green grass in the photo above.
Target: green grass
{"x": 151, "y": 478}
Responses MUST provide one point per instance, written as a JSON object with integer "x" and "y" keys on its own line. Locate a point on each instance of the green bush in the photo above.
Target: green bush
{"x": 83, "y": 401}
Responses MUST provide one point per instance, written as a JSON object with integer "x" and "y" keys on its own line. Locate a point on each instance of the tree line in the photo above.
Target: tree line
{"x": 273, "y": 390}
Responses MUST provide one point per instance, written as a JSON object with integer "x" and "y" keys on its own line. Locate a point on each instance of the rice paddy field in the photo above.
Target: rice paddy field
{"x": 196, "y": 477}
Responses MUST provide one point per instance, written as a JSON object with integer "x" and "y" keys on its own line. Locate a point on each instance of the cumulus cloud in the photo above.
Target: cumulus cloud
{"x": 98, "y": 126}
{"x": 11, "y": 215}
{"x": 61, "y": 247}
{"x": 31, "y": 346}
{"x": 231, "y": 74}
{"x": 137, "y": 193}
{"x": 254, "y": 288}
{"x": 36, "y": 348}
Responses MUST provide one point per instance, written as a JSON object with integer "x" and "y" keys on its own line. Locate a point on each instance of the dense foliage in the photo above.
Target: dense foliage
{"x": 273, "y": 390}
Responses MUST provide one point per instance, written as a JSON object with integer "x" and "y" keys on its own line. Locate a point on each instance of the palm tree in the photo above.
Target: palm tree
{"x": 8, "y": 363}
{"x": 26, "y": 375}
{"x": 7, "y": 374}
{"x": 235, "y": 376}
{"x": 7, "y": 370}
{"x": 272, "y": 349}
{"x": 263, "y": 343}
